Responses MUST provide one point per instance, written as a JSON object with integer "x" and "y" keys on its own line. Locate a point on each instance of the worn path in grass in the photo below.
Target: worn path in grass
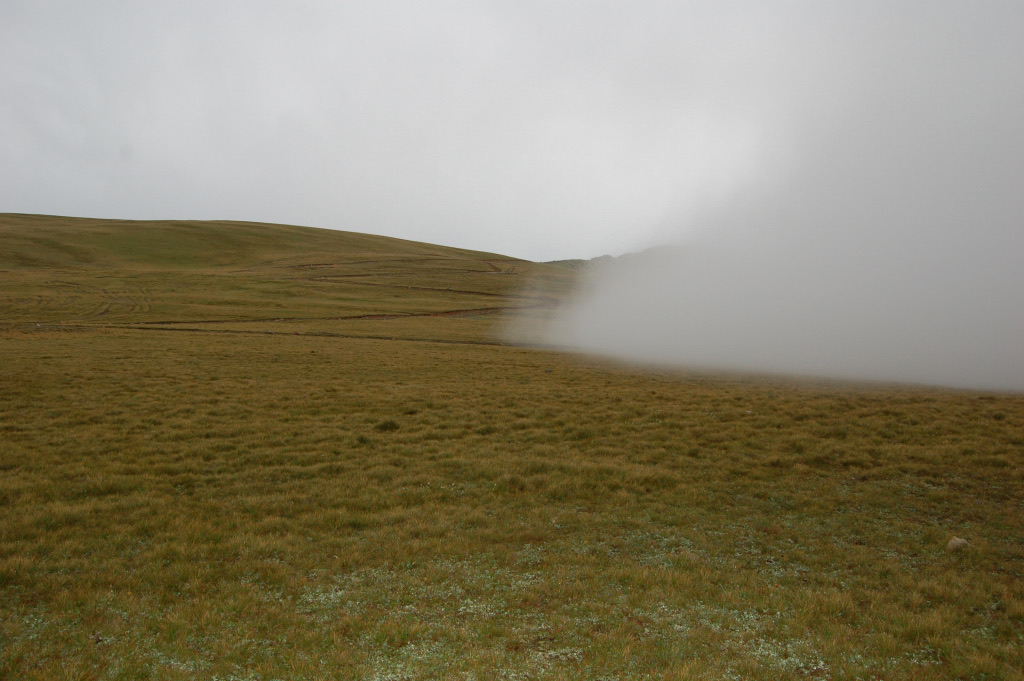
{"x": 223, "y": 502}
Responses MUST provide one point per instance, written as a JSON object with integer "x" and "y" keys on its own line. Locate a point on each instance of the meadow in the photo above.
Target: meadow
{"x": 255, "y": 452}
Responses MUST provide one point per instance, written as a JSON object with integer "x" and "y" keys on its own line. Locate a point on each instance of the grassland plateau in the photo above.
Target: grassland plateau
{"x": 246, "y": 451}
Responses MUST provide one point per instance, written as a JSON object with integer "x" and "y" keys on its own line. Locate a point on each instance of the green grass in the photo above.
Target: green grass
{"x": 241, "y": 476}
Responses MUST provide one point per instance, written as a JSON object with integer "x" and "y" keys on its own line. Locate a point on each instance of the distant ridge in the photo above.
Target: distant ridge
{"x": 579, "y": 264}
{"x": 60, "y": 241}
{"x": 64, "y": 272}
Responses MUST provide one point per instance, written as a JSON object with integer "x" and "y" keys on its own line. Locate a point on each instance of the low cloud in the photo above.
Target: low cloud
{"x": 881, "y": 235}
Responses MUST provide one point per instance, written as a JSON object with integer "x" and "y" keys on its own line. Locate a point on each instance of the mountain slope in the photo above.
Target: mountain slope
{"x": 75, "y": 271}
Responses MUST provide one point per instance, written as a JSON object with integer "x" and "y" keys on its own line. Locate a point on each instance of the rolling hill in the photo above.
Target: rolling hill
{"x": 257, "y": 277}
{"x": 246, "y": 451}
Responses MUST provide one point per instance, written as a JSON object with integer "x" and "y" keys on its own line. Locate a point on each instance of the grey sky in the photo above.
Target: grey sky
{"x": 538, "y": 129}
{"x": 534, "y": 130}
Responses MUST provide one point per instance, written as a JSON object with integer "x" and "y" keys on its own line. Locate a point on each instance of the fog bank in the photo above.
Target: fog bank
{"x": 881, "y": 234}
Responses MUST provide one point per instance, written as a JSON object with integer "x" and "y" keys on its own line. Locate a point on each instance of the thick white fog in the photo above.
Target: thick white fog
{"x": 880, "y": 235}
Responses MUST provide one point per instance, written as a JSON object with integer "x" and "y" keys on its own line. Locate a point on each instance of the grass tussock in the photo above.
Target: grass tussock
{"x": 194, "y": 504}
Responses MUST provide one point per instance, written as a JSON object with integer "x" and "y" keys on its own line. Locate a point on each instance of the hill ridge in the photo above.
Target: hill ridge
{"x": 66, "y": 271}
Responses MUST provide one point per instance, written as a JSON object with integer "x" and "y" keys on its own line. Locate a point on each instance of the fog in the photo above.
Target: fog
{"x": 838, "y": 184}
{"x": 879, "y": 231}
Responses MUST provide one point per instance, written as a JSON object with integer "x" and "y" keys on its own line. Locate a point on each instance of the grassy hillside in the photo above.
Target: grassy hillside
{"x": 32, "y": 241}
{"x": 254, "y": 277}
{"x": 236, "y": 451}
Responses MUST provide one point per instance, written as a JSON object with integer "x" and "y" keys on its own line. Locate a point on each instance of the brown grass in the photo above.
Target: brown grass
{"x": 186, "y": 500}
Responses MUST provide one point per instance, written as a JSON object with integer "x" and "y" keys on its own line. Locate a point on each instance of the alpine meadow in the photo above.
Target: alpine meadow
{"x": 262, "y": 452}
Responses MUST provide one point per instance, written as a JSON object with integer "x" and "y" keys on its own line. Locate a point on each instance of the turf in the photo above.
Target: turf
{"x": 238, "y": 451}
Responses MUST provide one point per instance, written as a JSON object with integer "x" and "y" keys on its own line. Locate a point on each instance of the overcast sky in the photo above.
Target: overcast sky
{"x": 537, "y": 129}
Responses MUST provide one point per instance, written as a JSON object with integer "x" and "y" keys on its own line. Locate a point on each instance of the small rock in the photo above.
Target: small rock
{"x": 956, "y": 543}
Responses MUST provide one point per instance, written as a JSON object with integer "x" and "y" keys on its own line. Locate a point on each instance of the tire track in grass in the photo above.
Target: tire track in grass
{"x": 175, "y": 324}
{"x": 309, "y": 334}
{"x": 59, "y": 298}
{"x": 86, "y": 328}
{"x": 460, "y": 312}
{"x": 415, "y": 288}
{"x": 371, "y": 315}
